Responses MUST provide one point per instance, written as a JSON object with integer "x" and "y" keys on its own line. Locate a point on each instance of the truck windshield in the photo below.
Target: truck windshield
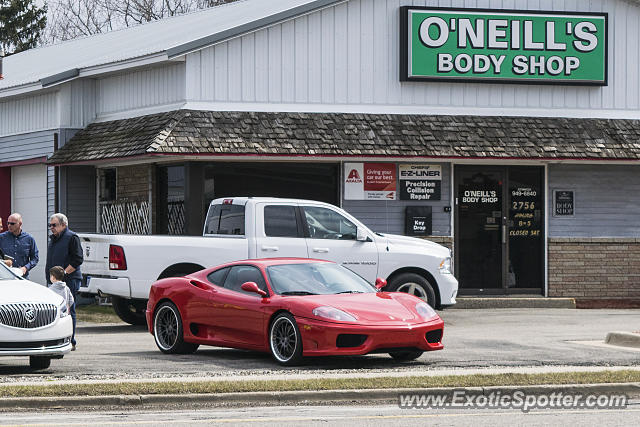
{"x": 315, "y": 278}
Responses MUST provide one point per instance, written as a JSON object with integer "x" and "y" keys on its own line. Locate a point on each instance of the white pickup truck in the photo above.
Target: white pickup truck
{"x": 125, "y": 266}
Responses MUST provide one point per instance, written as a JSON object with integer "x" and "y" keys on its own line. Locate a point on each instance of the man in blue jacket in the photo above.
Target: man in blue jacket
{"x": 65, "y": 250}
{"x": 19, "y": 245}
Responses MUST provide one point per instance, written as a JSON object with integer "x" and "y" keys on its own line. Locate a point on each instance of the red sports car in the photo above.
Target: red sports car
{"x": 291, "y": 308}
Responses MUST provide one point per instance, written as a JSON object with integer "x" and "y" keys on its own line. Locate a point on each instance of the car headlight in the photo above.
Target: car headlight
{"x": 332, "y": 313}
{"x": 64, "y": 310}
{"x": 445, "y": 266}
{"x": 425, "y": 310}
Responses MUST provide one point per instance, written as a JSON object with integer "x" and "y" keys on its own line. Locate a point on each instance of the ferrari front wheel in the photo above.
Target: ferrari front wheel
{"x": 168, "y": 331}
{"x": 285, "y": 341}
{"x": 405, "y": 356}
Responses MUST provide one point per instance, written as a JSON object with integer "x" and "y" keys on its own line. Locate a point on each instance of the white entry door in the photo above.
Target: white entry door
{"x": 29, "y": 198}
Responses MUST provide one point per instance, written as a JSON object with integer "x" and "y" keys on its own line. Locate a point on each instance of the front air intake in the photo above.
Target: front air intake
{"x": 434, "y": 337}
{"x": 350, "y": 340}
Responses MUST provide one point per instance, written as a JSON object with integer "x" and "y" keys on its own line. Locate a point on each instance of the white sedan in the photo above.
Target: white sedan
{"x": 34, "y": 321}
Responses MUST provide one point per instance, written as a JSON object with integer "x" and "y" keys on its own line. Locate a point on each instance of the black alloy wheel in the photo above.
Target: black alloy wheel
{"x": 168, "y": 331}
{"x": 285, "y": 341}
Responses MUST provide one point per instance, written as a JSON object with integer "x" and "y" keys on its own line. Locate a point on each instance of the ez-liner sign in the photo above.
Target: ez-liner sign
{"x": 496, "y": 45}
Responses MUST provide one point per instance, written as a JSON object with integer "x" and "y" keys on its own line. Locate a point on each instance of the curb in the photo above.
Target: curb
{"x": 323, "y": 397}
{"x": 624, "y": 339}
{"x": 513, "y": 302}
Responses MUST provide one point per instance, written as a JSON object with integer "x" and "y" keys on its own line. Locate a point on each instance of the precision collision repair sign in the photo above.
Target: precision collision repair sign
{"x": 503, "y": 46}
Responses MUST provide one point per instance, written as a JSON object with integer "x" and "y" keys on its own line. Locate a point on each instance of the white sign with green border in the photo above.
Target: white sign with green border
{"x": 502, "y": 45}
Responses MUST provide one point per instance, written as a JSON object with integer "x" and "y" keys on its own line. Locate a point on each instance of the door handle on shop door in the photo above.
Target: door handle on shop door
{"x": 270, "y": 248}
{"x": 321, "y": 250}
{"x": 504, "y": 230}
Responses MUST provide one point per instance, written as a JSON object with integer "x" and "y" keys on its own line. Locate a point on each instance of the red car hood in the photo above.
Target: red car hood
{"x": 370, "y": 308}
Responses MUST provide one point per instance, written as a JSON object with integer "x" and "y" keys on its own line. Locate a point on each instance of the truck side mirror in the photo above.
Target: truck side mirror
{"x": 380, "y": 283}
{"x": 361, "y": 235}
{"x": 253, "y": 287}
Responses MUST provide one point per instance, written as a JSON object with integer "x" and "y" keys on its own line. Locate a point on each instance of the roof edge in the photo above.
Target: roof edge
{"x": 249, "y": 27}
{"x": 60, "y": 77}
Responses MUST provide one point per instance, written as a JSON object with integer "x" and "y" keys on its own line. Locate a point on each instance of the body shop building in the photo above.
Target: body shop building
{"x": 509, "y": 132}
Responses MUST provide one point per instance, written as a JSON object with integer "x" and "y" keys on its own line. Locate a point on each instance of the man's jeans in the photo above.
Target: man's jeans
{"x": 74, "y": 285}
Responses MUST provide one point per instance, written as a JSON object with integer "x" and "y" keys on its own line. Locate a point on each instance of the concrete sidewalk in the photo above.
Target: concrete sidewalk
{"x": 514, "y": 301}
{"x": 314, "y": 397}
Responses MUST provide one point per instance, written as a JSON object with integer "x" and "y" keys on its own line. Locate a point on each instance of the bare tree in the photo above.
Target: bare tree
{"x": 70, "y": 19}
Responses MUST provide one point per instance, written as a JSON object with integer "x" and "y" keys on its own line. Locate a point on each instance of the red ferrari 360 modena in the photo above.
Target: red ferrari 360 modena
{"x": 291, "y": 308}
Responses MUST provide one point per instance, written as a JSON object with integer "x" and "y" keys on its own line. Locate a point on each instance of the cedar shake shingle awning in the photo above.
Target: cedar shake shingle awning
{"x": 347, "y": 135}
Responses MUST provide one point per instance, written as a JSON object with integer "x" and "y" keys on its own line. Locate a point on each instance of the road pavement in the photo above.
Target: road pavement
{"x": 474, "y": 339}
{"x": 355, "y": 416}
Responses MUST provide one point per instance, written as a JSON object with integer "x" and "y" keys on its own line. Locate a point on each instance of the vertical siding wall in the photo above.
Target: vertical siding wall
{"x": 141, "y": 89}
{"x": 81, "y": 198}
{"x": 388, "y": 216}
{"x": 349, "y": 54}
{"x": 607, "y": 200}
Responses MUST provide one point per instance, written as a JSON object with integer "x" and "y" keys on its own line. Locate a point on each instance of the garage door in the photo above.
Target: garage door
{"x": 29, "y": 198}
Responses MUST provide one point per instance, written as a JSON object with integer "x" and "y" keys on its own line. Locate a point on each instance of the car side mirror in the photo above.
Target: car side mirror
{"x": 380, "y": 283}
{"x": 361, "y": 235}
{"x": 253, "y": 287}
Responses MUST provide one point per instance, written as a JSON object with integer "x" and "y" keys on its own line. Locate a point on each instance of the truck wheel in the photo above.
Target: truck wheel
{"x": 39, "y": 362}
{"x": 131, "y": 311}
{"x": 413, "y": 284}
{"x": 168, "y": 331}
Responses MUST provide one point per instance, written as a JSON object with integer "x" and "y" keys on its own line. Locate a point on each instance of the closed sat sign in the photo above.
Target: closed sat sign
{"x": 498, "y": 45}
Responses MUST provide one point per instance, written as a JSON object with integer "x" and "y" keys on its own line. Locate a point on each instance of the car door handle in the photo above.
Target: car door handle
{"x": 270, "y": 248}
{"x": 321, "y": 250}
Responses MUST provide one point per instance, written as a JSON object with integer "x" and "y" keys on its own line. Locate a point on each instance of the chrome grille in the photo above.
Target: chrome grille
{"x": 27, "y": 315}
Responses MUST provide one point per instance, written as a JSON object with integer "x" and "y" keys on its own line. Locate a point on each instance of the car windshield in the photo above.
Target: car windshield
{"x": 316, "y": 279}
{"x": 5, "y": 273}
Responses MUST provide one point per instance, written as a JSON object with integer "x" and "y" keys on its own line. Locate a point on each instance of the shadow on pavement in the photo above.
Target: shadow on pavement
{"x": 111, "y": 328}
{"x": 242, "y": 360}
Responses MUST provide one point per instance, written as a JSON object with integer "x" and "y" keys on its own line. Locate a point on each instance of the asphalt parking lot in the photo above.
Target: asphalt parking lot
{"x": 473, "y": 339}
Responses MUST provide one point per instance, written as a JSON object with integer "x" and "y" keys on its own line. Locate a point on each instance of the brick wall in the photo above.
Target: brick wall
{"x": 594, "y": 267}
{"x": 441, "y": 240}
{"x": 133, "y": 182}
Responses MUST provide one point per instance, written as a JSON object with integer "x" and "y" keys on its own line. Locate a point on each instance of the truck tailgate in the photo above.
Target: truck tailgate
{"x": 96, "y": 254}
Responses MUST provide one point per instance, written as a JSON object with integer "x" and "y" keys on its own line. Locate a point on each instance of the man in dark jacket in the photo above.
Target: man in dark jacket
{"x": 65, "y": 250}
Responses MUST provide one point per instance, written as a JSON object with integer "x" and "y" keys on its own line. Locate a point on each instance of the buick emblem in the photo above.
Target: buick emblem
{"x": 30, "y": 314}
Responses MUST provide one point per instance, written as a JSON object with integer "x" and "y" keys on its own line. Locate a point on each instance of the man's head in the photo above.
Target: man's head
{"x": 57, "y": 223}
{"x": 14, "y": 223}
{"x": 56, "y": 274}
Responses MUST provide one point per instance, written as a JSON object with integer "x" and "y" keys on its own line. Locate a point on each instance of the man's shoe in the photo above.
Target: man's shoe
{"x": 73, "y": 347}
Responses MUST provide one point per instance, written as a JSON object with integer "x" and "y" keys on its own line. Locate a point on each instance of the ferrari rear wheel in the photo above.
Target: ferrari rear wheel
{"x": 405, "y": 356}
{"x": 285, "y": 341}
{"x": 169, "y": 332}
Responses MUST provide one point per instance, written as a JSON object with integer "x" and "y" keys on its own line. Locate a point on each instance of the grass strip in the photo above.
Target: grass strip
{"x": 94, "y": 313}
{"x": 477, "y": 380}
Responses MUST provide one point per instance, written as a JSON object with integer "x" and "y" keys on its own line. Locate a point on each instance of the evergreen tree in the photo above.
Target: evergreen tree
{"x": 21, "y": 23}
